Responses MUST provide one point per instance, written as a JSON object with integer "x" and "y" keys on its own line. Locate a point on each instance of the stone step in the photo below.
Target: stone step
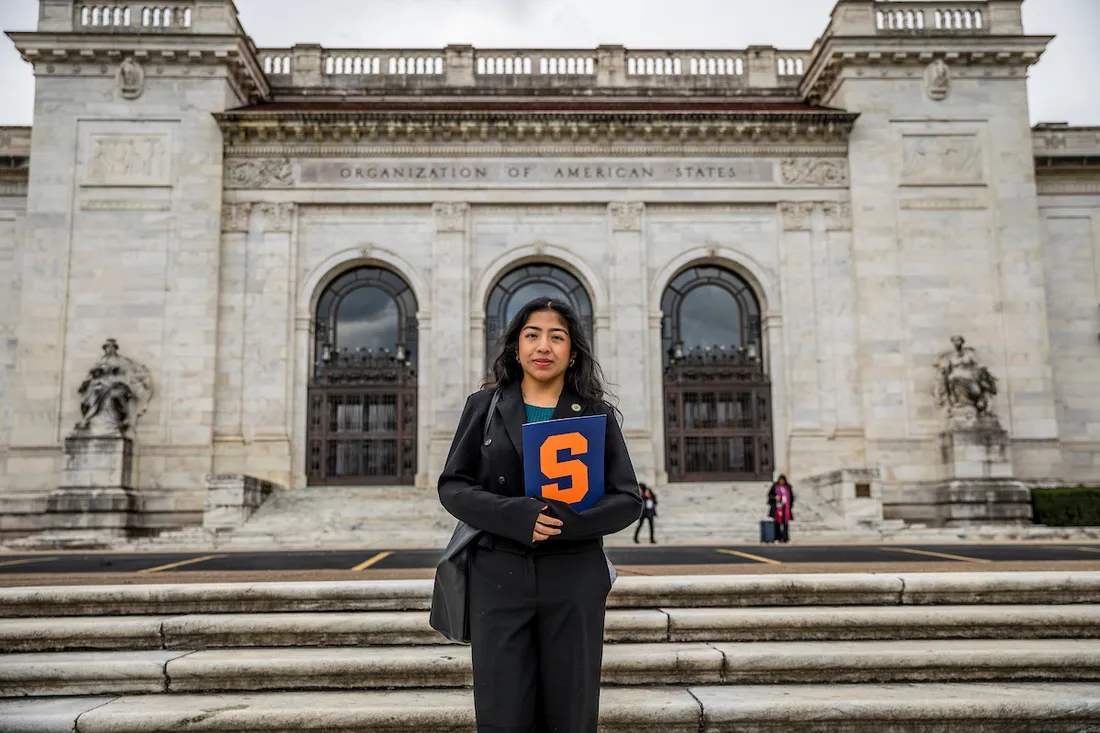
{"x": 365, "y": 668}
{"x": 850, "y": 589}
{"x": 377, "y": 628}
{"x": 884, "y": 708}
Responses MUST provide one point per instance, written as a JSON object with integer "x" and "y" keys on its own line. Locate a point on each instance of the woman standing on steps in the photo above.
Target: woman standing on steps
{"x": 781, "y": 508}
{"x": 539, "y": 577}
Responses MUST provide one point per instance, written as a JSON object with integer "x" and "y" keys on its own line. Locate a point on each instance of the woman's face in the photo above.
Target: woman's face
{"x": 544, "y": 346}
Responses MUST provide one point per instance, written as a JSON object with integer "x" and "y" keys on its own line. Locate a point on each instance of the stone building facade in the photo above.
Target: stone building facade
{"x": 311, "y": 251}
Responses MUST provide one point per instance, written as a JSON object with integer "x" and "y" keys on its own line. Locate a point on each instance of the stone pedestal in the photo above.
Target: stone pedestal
{"x": 978, "y": 486}
{"x": 96, "y": 497}
{"x": 853, "y": 493}
{"x": 231, "y": 499}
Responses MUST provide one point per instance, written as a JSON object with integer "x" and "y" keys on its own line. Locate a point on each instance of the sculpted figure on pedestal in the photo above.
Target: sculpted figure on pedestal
{"x": 115, "y": 385}
{"x": 965, "y": 386}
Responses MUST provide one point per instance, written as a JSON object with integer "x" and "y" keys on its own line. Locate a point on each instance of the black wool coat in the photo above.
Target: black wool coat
{"x": 482, "y": 481}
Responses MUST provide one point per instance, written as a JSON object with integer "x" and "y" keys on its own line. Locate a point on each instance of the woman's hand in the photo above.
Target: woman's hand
{"x": 545, "y": 527}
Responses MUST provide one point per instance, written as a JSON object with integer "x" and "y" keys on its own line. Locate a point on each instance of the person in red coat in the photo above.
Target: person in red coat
{"x": 781, "y": 508}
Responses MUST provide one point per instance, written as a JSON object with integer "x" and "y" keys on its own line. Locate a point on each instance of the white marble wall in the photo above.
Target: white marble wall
{"x": 1071, "y": 248}
{"x": 124, "y": 243}
{"x": 946, "y": 240}
{"x": 11, "y": 231}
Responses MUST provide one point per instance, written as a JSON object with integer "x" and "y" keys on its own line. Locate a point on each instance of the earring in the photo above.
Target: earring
{"x": 573, "y": 361}
{"x": 517, "y": 358}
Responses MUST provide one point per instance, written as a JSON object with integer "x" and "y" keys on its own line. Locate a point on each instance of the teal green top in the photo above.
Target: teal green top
{"x": 538, "y": 414}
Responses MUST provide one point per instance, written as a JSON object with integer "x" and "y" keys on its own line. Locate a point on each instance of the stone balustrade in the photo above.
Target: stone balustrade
{"x": 135, "y": 17}
{"x": 464, "y": 66}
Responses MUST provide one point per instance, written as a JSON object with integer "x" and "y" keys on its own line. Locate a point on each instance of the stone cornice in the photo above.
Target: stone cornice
{"x": 1055, "y": 140}
{"x": 833, "y": 55}
{"x": 292, "y": 132}
{"x": 76, "y": 53}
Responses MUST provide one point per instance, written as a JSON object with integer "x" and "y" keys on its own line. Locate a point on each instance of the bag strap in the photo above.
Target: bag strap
{"x": 489, "y": 415}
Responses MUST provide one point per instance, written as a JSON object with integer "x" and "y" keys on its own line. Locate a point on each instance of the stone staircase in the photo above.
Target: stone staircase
{"x": 401, "y": 517}
{"x": 974, "y": 652}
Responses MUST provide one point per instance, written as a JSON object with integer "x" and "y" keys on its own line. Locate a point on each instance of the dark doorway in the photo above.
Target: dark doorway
{"x": 362, "y": 395}
{"x": 717, "y": 394}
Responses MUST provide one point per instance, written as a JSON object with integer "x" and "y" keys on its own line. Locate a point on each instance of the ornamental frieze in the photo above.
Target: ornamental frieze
{"x": 814, "y": 172}
{"x": 556, "y": 172}
{"x": 259, "y": 173}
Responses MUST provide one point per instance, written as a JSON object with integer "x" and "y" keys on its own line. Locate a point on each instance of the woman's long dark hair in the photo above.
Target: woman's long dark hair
{"x": 584, "y": 379}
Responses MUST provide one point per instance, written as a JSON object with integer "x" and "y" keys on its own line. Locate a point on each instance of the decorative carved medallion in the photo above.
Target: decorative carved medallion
{"x": 937, "y": 80}
{"x": 130, "y": 78}
{"x": 814, "y": 172}
{"x": 277, "y": 217}
{"x": 263, "y": 173}
{"x": 111, "y": 394}
{"x": 796, "y": 216}
{"x": 626, "y": 217}
{"x": 235, "y": 217}
{"x": 450, "y": 217}
{"x": 838, "y": 216}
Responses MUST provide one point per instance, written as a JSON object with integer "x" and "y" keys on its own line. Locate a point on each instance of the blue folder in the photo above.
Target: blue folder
{"x": 563, "y": 460}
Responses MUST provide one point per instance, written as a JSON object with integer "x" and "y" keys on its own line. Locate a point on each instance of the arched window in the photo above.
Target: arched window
{"x": 522, "y": 285}
{"x": 709, "y": 308}
{"x": 362, "y": 399}
{"x": 718, "y": 423}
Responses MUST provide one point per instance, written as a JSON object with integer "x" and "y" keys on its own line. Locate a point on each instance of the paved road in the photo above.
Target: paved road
{"x": 977, "y": 556}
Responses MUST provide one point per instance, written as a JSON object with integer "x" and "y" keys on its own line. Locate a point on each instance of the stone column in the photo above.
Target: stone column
{"x": 656, "y": 389}
{"x": 778, "y": 369}
{"x": 842, "y": 310}
{"x": 627, "y": 361}
{"x": 267, "y": 298}
{"x": 449, "y": 346}
{"x": 229, "y": 392}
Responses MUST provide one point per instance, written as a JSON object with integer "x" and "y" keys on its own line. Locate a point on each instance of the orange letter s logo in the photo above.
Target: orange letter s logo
{"x": 576, "y": 444}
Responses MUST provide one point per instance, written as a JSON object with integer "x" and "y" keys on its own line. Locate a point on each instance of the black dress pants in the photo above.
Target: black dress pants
{"x": 536, "y": 630}
{"x": 782, "y": 532}
{"x": 645, "y": 518}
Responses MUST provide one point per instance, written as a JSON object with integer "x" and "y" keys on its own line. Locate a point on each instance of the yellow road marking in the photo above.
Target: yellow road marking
{"x": 181, "y": 563}
{"x": 750, "y": 557}
{"x": 22, "y": 562}
{"x": 1088, "y": 549}
{"x": 935, "y": 554}
{"x": 367, "y": 563}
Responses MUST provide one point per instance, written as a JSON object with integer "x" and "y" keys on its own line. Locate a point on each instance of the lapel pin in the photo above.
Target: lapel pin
{"x": 576, "y": 407}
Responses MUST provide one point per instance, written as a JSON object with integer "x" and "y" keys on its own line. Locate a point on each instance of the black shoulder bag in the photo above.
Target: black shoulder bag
{"x": 450, "y": 614}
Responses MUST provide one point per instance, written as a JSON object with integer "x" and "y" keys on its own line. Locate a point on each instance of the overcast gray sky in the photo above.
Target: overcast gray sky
{"x": 1064, "y": 86}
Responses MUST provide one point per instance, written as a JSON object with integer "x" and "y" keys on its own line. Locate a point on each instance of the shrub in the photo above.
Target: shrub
{"x": 1067, "y": 506}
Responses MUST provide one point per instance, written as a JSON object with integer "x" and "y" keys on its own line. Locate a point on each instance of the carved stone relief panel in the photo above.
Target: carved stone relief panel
{"x": 796, "y": 216}
{"x": 235, "y": 216}
{"x": 259, "y": 173}
{"x": 838, "y": 216}
{"x": 277, "y": 217}
{"x": 626, "y": 217}
{"x": 129, "y": 160}
{"x": 814, "y": 172}
{"x": 930, "y": 160}
{"x": 450, "y": 217}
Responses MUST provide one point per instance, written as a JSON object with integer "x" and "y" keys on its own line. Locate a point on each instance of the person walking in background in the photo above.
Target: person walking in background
{"x": 649, "y": 511}
{"x": 781, "y": 508}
